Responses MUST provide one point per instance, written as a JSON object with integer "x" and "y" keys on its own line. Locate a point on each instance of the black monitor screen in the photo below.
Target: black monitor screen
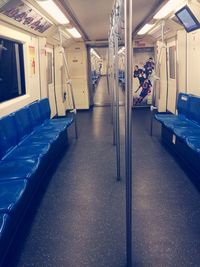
{"x": 188, "y": 19}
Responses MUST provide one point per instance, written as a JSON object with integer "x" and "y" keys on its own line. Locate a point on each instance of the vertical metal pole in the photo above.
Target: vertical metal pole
{"x": 116, "y": 32}
{"x": 128, "y": 8}
{"x": 153, "y": 106}
{"x": 114, "y": 93}
{"x": 70, "y": 85}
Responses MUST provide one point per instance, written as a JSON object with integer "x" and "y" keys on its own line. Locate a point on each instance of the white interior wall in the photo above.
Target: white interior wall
{"x": 193, "y": 59}
{"x": 78, "y": 68}
{"x": 181, "y": 61}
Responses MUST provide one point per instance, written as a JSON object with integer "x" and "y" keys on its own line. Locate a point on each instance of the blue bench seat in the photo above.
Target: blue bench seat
{"x": 12, "y": 194}
{"x": 172, "y": 124}
{"x": 194, "y": 143}
{"x": 18, "y": 169}
{"x": 182, "y": 132}
{"x": 30, "y": 141}
{"x": 4, "y": 223}
{"x": 187, "y": 131}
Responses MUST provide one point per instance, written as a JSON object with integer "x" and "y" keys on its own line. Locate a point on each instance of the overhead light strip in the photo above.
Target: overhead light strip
{"x": 93, "y": 52}
{"x": 147, "y": 27}
{"x": 54, "y": 11}
{"x": 74, "y": 32}
{"x": 168, "y": 8}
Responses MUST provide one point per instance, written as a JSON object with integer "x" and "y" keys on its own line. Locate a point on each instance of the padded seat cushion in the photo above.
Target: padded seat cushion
{"x": 194, "y": 143}
{"x": 23, "y": 122}
{"x": 184, "y": 132}
{"x": 45, "y": 109}
{"x": 8, "y": 136}
{"x": 18, "y": 169}
{"x": 4, "y": 222}
{"x": 28, "y": 151}
{"x": 168, "y": 117}
{"x": 11, "y": 194}
{"x": 171, "y": 124}
{"x": 60, "y": 122}
{"x": 34, "y": 112}
{"x": 37, "y": 138}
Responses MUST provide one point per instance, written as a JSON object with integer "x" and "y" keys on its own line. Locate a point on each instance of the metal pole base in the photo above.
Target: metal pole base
{"x": 152, "y": 117}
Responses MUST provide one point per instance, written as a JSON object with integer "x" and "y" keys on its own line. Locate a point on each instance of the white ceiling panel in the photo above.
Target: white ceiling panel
{"x": 93, "y": 15}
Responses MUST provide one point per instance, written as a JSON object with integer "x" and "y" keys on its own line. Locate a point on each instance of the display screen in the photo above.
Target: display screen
{"x": 188, "y": 19}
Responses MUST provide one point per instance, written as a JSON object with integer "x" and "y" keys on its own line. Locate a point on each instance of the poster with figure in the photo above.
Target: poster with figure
{"x": 25, "y": 14}
{"x": 143, "y": 74}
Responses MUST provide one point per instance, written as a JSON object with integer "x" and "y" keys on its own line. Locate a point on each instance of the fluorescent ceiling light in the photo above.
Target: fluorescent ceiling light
{"x": 147, "y": 27}
{"x": 74, "y": 32}
{"x": 169, "y": 7}
{"x": 93, "y": 52}
{"x": 121, "y": 51}
{"x": 54, "y": 11}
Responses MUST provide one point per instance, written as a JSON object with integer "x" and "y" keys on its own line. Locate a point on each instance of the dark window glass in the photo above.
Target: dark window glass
{"x": 12, "y": 78}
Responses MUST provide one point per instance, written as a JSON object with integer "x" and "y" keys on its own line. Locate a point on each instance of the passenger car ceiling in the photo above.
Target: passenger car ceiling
{"x": 93, "y": 15}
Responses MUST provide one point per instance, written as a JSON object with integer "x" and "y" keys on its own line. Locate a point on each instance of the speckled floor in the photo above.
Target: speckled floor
{"x": 101, "y": 94}
{"x": 80, "y": 219}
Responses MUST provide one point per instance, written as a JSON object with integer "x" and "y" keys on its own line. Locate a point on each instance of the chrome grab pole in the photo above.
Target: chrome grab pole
{"x": 116, "y": 86}
{"x": 153, "y": 106}
{"x": 69, "y": 82}
{"x": 128, "y": 9}
{"x": 114, "y": 91}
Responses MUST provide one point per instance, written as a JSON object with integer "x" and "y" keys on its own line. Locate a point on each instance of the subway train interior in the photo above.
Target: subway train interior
{"x": 99, "y": 133}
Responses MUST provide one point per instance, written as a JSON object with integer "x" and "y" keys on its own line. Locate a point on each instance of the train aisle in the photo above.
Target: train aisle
{"x": 101, "y": 94}
{"x": 80, "y": 220}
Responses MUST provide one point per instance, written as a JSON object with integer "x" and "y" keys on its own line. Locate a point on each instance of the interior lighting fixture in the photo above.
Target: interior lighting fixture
{"x": 147, "y": 27}
{"x": 54, "y": 11}
{"x": 74, "y": 32}
{"x": 169, "y": 7}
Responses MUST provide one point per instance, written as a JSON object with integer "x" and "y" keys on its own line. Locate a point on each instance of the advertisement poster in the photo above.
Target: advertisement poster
{"x": 32, "y": 60}
{"x": 143, "y": 76}
{"x": 24, "y": 14}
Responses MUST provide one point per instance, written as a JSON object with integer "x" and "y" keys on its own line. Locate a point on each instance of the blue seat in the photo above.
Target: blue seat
{"x": 8, "y": 136}
{"x": 23, "y": 122}
{"x": 28, "y": 151}
{"x": 18, "y": 169}
{"x": 183, "y": 103}
{"x": 12, "y": 194}
{"x": 4, "y": 222}
{"x": 184, "y": 132}
{"x": 35, "y": 115}
{"x": 29, "y": 143}
{"x": 161, "y": 117}
{"x": 177, "y": 122}
{"x": 190, "y": 126}
{"x": 194, "y": 109}
{"x": 194, "y": 143}
{"x": 45, "y": 110}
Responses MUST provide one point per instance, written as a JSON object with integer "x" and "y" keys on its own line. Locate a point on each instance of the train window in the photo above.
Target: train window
{"x": 172, "y": 62}
{"x": 12, "y": 78}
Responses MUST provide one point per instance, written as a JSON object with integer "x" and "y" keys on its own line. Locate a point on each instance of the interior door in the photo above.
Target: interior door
{"x": 171, "y": 65}
{"x": 50, "y": 80}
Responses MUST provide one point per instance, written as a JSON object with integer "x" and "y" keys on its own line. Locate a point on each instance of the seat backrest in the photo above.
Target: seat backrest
{"x": 35, "y": 116}
{"x": 23, "y": 122}
{"x": 183, "y": 104}
{"x": 45, "y": 109}
{"x": 8, "y": 134}
{"x": 194, "y": 109}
